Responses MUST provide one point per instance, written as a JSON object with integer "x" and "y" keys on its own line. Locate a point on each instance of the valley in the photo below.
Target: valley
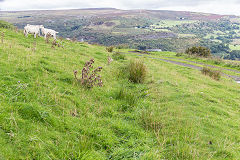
{"x": 140, "y": 29}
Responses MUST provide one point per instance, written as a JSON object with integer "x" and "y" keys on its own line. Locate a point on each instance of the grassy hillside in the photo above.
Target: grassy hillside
{"x": 178, "y": 113}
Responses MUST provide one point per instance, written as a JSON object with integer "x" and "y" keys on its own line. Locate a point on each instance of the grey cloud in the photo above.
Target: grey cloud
{"x": 216, "y": 6}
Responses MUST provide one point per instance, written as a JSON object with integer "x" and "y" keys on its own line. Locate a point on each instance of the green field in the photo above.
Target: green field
{"x": 173, "y": 23}
{"x": 177, "y": 113}
{"x": 234, "y": 47}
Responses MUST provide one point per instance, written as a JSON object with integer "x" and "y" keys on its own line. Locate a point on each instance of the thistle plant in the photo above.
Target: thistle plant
{"x": 54, "y": 43}
{"x": 34, "y": 46}
{"x": 90, "y": 77}
{"x": 109, "y": 60}
{"x": 48, "y": 38}
{"x": 58, "y": 44}
{"x": 2, "y": 37}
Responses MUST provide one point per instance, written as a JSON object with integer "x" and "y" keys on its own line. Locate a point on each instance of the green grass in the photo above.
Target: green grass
{"x": 45, "y": 114}
{"x": 224, "y": 64}
{"x": 234, "y": 47}
{"x": 173, "y": 23}
{"x": 221, "y": 66}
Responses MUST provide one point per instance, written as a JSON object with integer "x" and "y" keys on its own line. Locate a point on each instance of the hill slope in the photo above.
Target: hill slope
{"x": 167, "y": 30}
{"x": 178, "y": 113}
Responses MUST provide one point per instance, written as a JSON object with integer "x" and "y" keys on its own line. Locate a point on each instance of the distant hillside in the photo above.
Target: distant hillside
{"x": 152, "y": 29}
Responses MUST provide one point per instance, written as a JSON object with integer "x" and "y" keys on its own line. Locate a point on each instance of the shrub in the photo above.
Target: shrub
{"x": 6, "y": 25}
{"x": 122, "y": 46}
{"x": 118, "y": 56}
{"x": 110, "y": 49}
{"x": 215, "y": 74}
{"x": 137, "y": 71}
{"x": 179, "y": 54}
{"x": 55, "y": 43}
{"x": 142, "y": 52}
{"x": 90, "y": 78}
{"x": 199, "y": 51}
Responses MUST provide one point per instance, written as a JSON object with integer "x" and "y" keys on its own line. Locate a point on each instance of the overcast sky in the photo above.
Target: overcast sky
{"x": 209, "y": 6}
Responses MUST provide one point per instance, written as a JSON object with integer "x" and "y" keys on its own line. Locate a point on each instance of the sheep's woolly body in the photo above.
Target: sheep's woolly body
{"x": 32, "y": 29}
{"x": 50, "y": 32}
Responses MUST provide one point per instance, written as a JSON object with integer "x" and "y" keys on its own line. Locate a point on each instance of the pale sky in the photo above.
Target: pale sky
{"x": 208, "y": 6}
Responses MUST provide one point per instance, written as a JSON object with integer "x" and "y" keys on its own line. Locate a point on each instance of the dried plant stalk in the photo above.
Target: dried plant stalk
{"x": 2, "y": 37}
{"x": 109, "y": 60}
{"x": 90, "y": 78}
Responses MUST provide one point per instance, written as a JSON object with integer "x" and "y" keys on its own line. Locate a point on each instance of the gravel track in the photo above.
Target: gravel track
{"x": 236, "y": 78}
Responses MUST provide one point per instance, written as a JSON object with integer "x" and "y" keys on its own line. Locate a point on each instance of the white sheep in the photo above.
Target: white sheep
{"x": 32, "y": 29}
{"x": 50, "y": 32}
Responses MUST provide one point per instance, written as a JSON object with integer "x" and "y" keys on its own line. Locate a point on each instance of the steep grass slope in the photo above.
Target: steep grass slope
{"x": 45, "y": 114}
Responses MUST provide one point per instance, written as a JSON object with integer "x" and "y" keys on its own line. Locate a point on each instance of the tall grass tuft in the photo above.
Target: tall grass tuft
{"x": 215, "y": 74}
{"x": 137, "y": 71}
{"x": 130, "y": 99}
{"x": 110, "y": 49}
{"x": 118, "y": 56}
{"x": 179, "y": 54}
{"x": 34, "y": 48}
{"x": 2, "y": 37}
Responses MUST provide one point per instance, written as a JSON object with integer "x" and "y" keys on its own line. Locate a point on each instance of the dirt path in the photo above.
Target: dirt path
{"x": 236, "y": 78}
{"x": 232, "y": 70}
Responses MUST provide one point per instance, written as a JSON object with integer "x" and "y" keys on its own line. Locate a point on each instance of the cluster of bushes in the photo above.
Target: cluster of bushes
{"x": 233, "y": 55}
{"x": 122, "y": 46}
{"x": 6, "y": 25}
{"x": 215, "y": 74}
{"x": 216, "y": 47}
{"x": 199, "y": 51}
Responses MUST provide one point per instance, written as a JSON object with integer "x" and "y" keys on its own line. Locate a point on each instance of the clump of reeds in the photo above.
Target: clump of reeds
{"x": 215, "y": 74}
{"x": 118, "y": 56}
{"x": 110, "y": 49}
{"x": 137, "y": 71}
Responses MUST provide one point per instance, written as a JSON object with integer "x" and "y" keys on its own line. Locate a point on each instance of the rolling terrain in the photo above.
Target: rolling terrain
{"x": 176, "y": 113}
{"x": 152, "y": 29}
